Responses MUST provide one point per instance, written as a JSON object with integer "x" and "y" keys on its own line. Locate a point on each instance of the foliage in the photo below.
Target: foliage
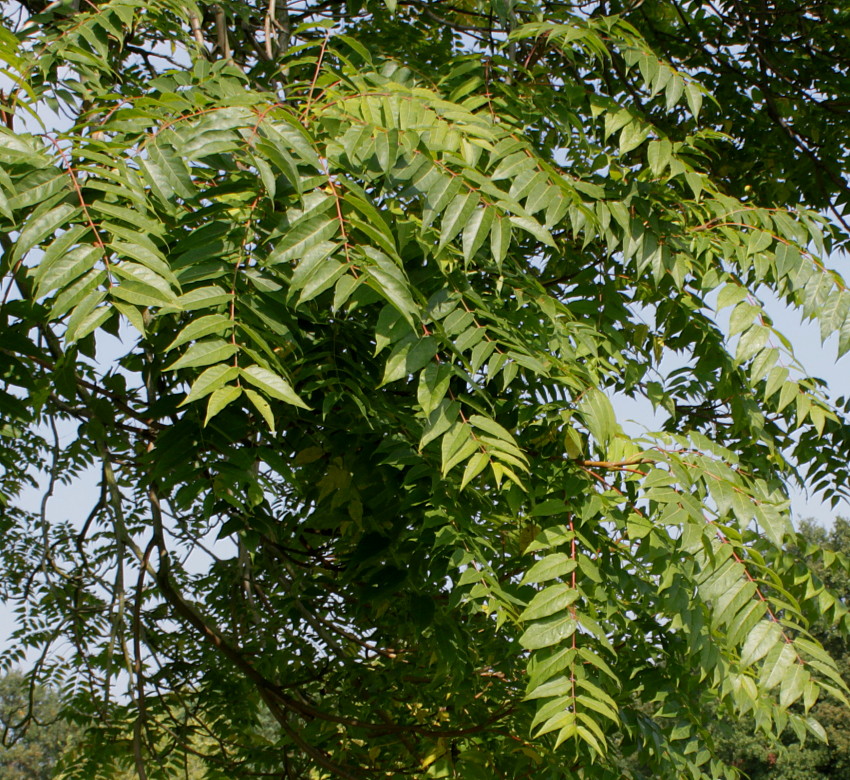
{"x": 40, "y": 735}
{"x": 762, "y": 760}
{"x": 335, "y": 300}
{"x": 34, "y": 734}
{"x": 779, "y": 73}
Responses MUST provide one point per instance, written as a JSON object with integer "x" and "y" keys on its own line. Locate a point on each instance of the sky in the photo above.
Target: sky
{"x": 818, "y": 359}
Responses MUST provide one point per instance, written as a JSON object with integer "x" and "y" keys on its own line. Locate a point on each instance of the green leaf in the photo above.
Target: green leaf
{"x": 500, "y": 239}
{"x": 133, "y": 315}
{"x": 476, "y": 464}
{"x": 549, "y": 601}
{"x": 439, "y": 421}
{"x": 440, "y": 189}
{"x": 743, "y": 315}
{"x": 532, "y": 226}
{"x": 557, "y": 687}
{"x": 491, "y": 427}
{"x": 751, "y": 343}
{"x": 203, "y": 298}
{"x": 659, "y": 154}
{"x": 389, "y": 280}
{"x": 323, "y": 278}
{"x": 790, "y": 391}
{"x": 210, "y": 380}
{"x": 147, "y": 256}
{"x": 203, "y": 326}
{"x": 775, "y": 380}
{"x": 288, "y": 135}
{"x": 758, "y": 241}
{"x": 72, "y": 295}
{"x": 262, "y": 406}
{"x": 4, "y": 207}
{"x": 204, "y": 353}
{"x": 41, "y": 225}
{"x": 760, "y": 640}
{"x": 56, "y": 249}
{"x": 476, "y": 230}
{"x": 304, "y": 236}
{"x": 551, "y": 506}
{"x": 555, "y": 714}
{"x": 79, "y": 329}
{"x": 778, "y": 664}
{"x": 371, "y": 214}
{"x": 220, "y": 399}
{"x": 64, "y": 268}
{"x": 549, "y": 568}
{"x": 817, "y": 729}
{"x": 673, "y": 91}
{"x": 316, "y": 272}
{"x": 548, "y": 632}
{"x": 272, "y": 385}
{"x": 344, "y": 289}
{"x": 140, "y": 295}
{"x": 457, "y": 445}
{"x": 774, "y": 522}
{"x": 408, "y": 357}
{"x": 513, "y": 165}
{"x": 433, "y": 385}
{"x": 599, "y": 705}
{"x": 379, "y": 238}
{"x": 598, "y": 415}
{"x": 693, "y": 94}
{"x": 589, "y": 569}
{"x": 632, "y": 136}
{"x": 142, "y": 286}
{"x": 793, "y": 685}
{"x": 81, "y": 312}
{"x": 167, "y": 172}
{"x": 730, "y": 294}
{"x": 457, "y": 215}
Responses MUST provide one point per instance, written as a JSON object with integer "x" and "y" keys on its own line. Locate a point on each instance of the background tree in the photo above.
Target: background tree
{"x": 34, "y": 734}
{"x": 334, "y": 299}
{"x": 40, "y": 736}
{"x": 759, "y": 758}
{"x": 755, "y": 754}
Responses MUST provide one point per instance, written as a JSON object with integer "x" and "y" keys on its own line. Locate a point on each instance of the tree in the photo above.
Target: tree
{"x": 762, "y": 758}
{"x": 34, "y": 736}
{"x": 820, "y": 546}
{"x": 779, "y": 72}
{"x": 335, "y": 300}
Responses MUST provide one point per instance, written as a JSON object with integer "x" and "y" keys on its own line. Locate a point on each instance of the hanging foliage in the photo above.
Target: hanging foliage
{"x": 330, "y": 307}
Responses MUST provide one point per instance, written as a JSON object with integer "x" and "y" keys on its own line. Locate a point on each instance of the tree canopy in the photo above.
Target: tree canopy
{"x": 757, "y": 755}
{"x": 337, "y": 301}
{"x": 33, "y": 735}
